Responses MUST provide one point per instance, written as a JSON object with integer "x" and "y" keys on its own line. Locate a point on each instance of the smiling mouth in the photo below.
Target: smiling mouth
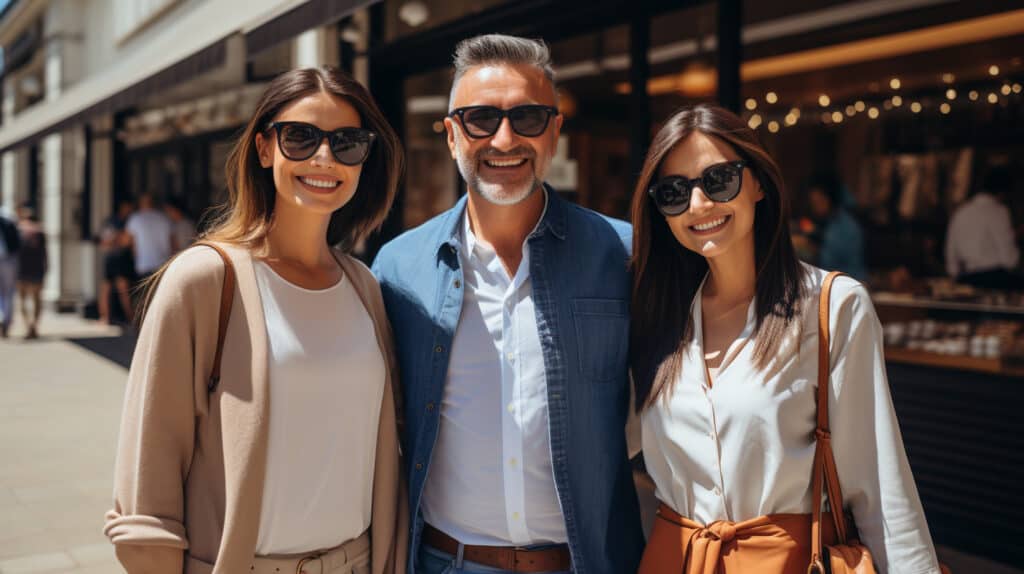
{"x": 320, "y": 183}
{"x": 710, "y": 226}
{"x": 504, "y": 163}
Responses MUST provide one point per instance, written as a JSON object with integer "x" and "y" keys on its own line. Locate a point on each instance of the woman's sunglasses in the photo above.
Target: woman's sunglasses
{"x": 483, "y": 121}
{"x": 719, "y": 183}
{"x": 298, "y": 141}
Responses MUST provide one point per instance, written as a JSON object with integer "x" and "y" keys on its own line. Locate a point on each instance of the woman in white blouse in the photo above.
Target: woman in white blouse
{"x": 724, "y": 360}
{"x": 288, "y": 460}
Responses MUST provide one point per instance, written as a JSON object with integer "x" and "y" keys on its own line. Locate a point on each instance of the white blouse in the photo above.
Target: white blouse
{"x": 326, "y": 385}
{"x": 744, "y": 447}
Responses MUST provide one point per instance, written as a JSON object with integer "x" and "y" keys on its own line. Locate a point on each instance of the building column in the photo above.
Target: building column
{"x": 316, "y": 47}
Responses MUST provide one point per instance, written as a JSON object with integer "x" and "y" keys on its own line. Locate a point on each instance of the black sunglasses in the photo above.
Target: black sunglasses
{"x": 720, "y": 183}
{"x": 483, "y": 121}
{"x": 298, "y": 141}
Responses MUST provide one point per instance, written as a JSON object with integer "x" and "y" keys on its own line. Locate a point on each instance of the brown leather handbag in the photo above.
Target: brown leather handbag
{"x": 847, "y": 555}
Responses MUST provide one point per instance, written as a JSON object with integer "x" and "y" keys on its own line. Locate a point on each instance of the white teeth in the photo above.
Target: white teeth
{"x": 326, "y": 184}
{"x": 504, "y": 163}
{"x": 709, "y": 225}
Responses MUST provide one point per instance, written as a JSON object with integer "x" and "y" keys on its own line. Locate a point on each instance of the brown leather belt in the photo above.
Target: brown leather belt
{"x": 515, "y": 559}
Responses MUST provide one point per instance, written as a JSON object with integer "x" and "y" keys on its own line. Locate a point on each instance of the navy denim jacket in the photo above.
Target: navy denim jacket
{"x": 581, "y": 287}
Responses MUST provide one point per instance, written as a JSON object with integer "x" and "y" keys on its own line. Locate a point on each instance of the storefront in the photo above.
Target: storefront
{"x": 909, "y": 103}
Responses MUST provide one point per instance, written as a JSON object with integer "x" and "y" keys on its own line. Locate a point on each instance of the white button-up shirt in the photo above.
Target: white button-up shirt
{"x": 981, "y": 237}
{"x": 744, "y": 447}
{"x": 490, "y": 480}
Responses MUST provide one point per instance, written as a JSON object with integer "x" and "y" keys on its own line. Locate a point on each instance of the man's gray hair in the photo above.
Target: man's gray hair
{"x": 500, "y": 49}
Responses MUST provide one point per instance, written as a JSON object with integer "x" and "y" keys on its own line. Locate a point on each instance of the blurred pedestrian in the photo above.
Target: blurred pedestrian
{"x": 32, "y": 266}
{"x": 839, "y": 235}
{"x": 10, "y": 241}
{"x": 118, "y": 263}
{"x": 183, "y": 228}
{"x": 981, "y": 247}
{"x": 151, "y": 237}
{"x": 287, "y": 457}
{"x": 724, "y": 349}
{"x": 511, "y": 316}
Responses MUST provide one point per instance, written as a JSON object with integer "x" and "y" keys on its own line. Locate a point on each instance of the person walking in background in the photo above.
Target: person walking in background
{"x": 981, "y": 247}
{"x": 839, "y": 235}
{"x": 152, "y": 235}
{"x": 724, "y": 356}
{"x": 183, "y": 229}
{"x": 511, "y": 317}
{"x": 286, "y": 457}
{"x": 118, "y": 263}
{"x": 10, "y": 241}
{"x": 32, "y": 266}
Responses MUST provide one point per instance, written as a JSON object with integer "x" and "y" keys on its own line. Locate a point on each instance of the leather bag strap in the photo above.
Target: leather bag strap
{"x": 825, "y": 477}
{"x": 227, "y": 297}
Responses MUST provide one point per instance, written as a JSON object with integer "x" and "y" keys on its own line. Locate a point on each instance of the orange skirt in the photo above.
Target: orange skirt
{"x": 773, "y": 544}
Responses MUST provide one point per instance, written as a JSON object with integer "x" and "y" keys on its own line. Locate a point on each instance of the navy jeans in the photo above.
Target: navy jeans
{"x": 433, "y": 561}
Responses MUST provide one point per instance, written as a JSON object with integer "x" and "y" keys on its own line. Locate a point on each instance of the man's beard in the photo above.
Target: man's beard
{"x": 498, "y": 193}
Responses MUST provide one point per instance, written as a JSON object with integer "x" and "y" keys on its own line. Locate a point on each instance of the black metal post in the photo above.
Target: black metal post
{"x": 730, "y": 52}
{"x": 639, "y": 102}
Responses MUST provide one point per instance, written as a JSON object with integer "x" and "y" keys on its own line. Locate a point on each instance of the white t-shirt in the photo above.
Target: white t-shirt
{"x": 151, "y": 230}
{"x": 981, "y": 237}
{"x": 326, "y": 385}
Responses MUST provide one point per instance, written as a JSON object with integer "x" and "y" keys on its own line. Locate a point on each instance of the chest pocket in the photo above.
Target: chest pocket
{"x": 602, "y": 338}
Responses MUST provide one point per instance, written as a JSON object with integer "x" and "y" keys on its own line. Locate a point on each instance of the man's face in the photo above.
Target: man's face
{"x": 504, "y": 168}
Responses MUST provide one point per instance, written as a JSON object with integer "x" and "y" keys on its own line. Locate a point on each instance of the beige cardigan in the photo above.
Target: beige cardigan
{"x": 190, "y": 466}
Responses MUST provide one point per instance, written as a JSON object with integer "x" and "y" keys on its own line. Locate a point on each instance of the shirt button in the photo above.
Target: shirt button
{"x": 512, "y": 462}
{"x": 510, "y": 356}
{"x": 419, "y": 466}
{"x": 430, "y": 407}
{"x": 515, "y": 516}
{"x": 711, "y": 435}
{"x": 717, "y": 491}
{"x": 439, "y": 349}
{"x": 458, "y": 283}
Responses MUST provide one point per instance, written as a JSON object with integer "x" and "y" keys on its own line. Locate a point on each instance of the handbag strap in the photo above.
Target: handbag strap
{"x": 825, "y": 477}
{"x": 227, "y": 297}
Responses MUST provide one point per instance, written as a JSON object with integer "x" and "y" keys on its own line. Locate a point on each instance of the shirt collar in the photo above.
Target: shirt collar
{"x": 553, "y": 219}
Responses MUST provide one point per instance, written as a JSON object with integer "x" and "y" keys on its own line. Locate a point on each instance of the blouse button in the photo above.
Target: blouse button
{"x": 717, "y": 491}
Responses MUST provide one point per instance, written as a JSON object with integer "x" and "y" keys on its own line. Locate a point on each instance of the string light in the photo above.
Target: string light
{"x": 754, "y": 121}
{"x": 771, "y": 98}
{"x": 993, "y": 70}
{"x": 851, "y": 111}
{"x": 951, "y": 94}
{"x": 915, "y": 107}
{"x": 992, "y": 98}
{"x": 887, "y": 105}
{"x": 973, "y": 95}
{"x": 795, "y": 112}
{"x": 873, "y": 112}
{"x": 948, "y": 78}
{"x": 826, "y": 117}
{"x": 944, "y": 108}
{"x": 1006, "y": 89}
{"x": 773, "y": 126}
{"x": 790, "y": 119}
{"x": 895, "y": 83}
{"x": 824, "y": 100}
{"x": 897, "y": 101}
{"x": 1016, "y": 88}
{"x": 751, "y": 104}
{"x": 837, "y": 117}
{"x": 859, "y": 106}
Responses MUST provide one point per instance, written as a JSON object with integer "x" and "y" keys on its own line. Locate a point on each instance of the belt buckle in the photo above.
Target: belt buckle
{"x": 313, "y": 557}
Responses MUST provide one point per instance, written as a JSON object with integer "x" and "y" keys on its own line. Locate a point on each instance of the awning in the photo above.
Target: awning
{"x": 195, "y": 43}
{"x": 311, "y": 14}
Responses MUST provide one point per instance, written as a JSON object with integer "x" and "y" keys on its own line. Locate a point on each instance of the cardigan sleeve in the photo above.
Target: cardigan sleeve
{"x": 155, "y": 447}
{"x": 873, "y": 470}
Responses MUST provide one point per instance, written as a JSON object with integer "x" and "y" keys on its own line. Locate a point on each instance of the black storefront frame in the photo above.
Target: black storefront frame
{"x": 392, "y": 62}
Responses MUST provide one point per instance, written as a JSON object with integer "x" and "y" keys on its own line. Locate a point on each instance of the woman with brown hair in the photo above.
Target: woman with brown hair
{"x": 278, "y": 453}
{"x": 724, "y": 358}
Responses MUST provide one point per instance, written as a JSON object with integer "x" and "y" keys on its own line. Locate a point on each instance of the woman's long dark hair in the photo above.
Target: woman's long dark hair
{"x": 248, "y": 215}
{"x": 666, "y": 275}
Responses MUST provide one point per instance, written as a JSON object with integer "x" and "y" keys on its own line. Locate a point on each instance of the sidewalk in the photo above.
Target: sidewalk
{"x": 59, "y": 415}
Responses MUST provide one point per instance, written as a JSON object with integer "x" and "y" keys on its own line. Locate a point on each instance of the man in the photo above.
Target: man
{"x": 151, "y": 237}
{"x": 9, "y": 245}
{"x": 32, "y": 266}
{"x": 981, "y": 246}
{"x": 118, "y": 265}
{"x": 511, "y": 323}
{"x": 841, "y": 246}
